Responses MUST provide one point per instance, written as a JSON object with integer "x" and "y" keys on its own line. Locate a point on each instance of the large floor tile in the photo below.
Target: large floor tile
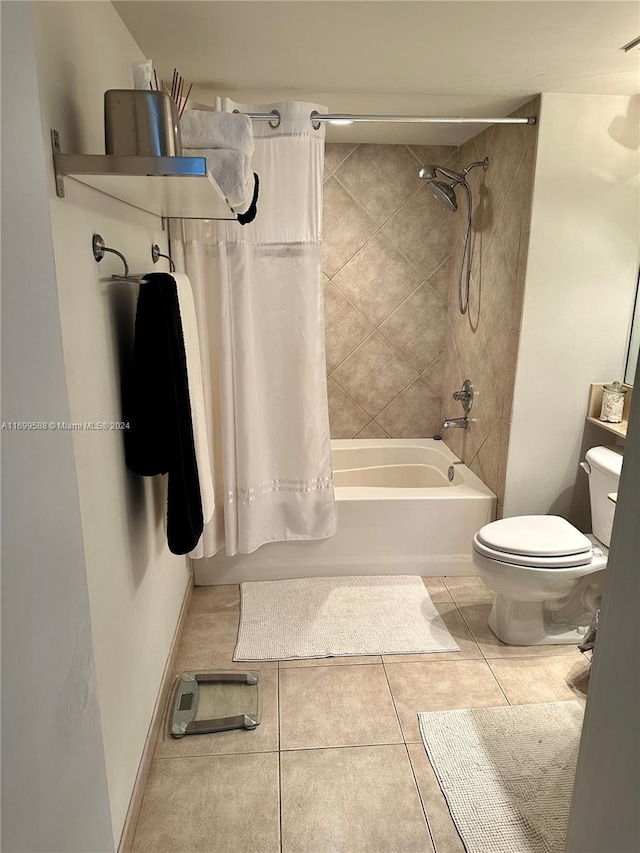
{"x": 476, "y": 616}
{"x": 469, "y": 590}
{"x": 211, "y": 805}
{"x": 436, "y": 589}
{"x": 443, "y": 829}
{"x": 356, "y": 800}
{"x": 336, "y": 706}
{"x": 457, "y": 628}
{"x": 542, "y": 679}
{"x": 216, "y": 599}
{"x": 264, "y": 738}
{"x": 440, "y": 686}
{"x": 208, "y": 642}
{"x": 347, "y": 660}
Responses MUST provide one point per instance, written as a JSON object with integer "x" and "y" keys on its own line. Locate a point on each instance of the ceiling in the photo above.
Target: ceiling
{"x": 391, "y": 56}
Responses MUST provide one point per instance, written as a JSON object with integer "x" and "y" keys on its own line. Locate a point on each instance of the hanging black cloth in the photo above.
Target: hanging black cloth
{"x": 157, "y": 406}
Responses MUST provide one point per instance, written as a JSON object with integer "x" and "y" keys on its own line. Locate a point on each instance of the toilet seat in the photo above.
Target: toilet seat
{"x": 537, "y": 541}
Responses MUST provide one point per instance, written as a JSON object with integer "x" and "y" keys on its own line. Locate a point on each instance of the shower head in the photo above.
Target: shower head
{"x": 428, "y": 172}
{"x": 431, "y": 171}
{"x": 444, "y": 193}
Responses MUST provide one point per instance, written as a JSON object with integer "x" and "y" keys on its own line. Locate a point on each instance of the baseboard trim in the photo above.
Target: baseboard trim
{"x": 133, "y": 812}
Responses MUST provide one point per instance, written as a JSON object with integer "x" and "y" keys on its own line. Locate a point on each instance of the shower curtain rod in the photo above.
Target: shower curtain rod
{"x": 346, "y": 118}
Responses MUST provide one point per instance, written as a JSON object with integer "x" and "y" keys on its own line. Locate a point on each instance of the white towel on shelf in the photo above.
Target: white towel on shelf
{"x": 196, "y": 392}
{"x": 206, "y": 129}
{"x": 231, "y": 170}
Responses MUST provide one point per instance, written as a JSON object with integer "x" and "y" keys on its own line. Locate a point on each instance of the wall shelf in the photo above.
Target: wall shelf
{"x": 595, "y": 404}
{"x": 170, "y": 187}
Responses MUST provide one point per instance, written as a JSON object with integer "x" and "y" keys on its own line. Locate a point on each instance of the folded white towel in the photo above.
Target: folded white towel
{"x": 232, "y": 172}
{"x": 206, "y": 129}
{"x": 196, "y": 393}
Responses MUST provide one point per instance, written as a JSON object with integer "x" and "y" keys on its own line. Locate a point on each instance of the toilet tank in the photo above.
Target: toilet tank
{"x": 604, "y": 467}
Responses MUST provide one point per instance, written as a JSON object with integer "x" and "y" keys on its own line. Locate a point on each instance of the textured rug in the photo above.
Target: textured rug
{"x": 336, "y": 617}
{"x": 507, "y": 773}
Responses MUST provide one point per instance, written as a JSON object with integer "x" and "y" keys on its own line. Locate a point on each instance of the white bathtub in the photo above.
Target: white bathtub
{"x": 405, "y": 506}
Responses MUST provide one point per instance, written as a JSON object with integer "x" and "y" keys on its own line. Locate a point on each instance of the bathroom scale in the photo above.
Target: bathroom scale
{"x": 206, "y": 702}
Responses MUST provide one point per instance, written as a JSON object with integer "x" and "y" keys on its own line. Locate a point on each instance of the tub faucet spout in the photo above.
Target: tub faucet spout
{"x": 455, "y": 423}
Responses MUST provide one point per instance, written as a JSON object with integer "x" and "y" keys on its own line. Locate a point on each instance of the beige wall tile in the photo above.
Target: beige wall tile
{"x": 219, "y": 803}
{"x": 381, "y": 178}
{"x": 336, "y": 153}
{"x": 441, "y": 279}
{"x": 475, "y": 365}
{"x": 326, "y": 706}
{"x": 378, "y": 278}
{"x": 484, "y": 341}
{"x": 417, "y": 328}
{"x": 489, "y": 458}
{"x": 345, "y": 327}
{"x": 423, "y": 230}
{"x": 497, "y": 300}
{"x": 374, "y": 375}
{"x": 372, "y": 430}
{"x": 415, "y": 413}
{"x": 435, "y": 155}
{"x": 505, "y": 429}
{"x": 361, "y": 800}
{"x": 507, "y": 405}
{"x": 505, "y": 150}
{"x": 346, "y": 417}
{"x": 510, "y": 217}
{"x": 432, "y": 374}
{"x": 346, "y": 227}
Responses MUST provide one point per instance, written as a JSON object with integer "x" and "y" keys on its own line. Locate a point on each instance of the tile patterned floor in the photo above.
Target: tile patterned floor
{"x": 337, "y": 764}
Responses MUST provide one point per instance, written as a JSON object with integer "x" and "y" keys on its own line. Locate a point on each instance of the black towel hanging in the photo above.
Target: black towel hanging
{"x": 157, "y": 407}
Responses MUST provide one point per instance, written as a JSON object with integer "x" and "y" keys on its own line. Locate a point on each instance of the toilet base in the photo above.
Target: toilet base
{"x": 528, "y": 623}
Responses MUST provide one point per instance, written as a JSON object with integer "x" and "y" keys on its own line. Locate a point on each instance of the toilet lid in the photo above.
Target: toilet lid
{"x": 543, "y": 536}
{"x": 567, "y": 561}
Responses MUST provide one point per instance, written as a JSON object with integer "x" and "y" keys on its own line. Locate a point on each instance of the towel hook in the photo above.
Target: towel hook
{"x": 99, "y": 249}
{"x": 156, "y": 254}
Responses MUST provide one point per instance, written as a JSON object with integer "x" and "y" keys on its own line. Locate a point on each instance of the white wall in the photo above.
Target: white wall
{"x": 136, "y": 586}
{"x": 579, "y": 289}
{"x": 54, "y": 786}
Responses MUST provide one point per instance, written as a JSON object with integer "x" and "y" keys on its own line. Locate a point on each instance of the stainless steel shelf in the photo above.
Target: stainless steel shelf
{"x": 170, "y": 187}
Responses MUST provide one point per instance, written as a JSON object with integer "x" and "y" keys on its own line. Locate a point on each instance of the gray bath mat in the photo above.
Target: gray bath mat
{"x": 337, "y": 617}
{"x": 507, "y": 773}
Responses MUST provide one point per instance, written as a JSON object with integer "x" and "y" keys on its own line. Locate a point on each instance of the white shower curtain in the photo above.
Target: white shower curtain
{"x": 258, "y": 293}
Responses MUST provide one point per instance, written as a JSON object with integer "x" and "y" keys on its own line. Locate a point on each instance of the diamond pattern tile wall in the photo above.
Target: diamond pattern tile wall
{"x": 386, "y": 248}
{"x": 483, "y": 344}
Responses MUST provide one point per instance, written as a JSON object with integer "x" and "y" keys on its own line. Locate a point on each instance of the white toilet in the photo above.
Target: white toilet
{"x": 547, "y": 575}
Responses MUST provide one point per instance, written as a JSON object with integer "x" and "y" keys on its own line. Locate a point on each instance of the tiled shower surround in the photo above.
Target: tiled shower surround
{"x": 397, "y": 346}
{"x": 482, "y": 345}
{"x": 387, "y": 247}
